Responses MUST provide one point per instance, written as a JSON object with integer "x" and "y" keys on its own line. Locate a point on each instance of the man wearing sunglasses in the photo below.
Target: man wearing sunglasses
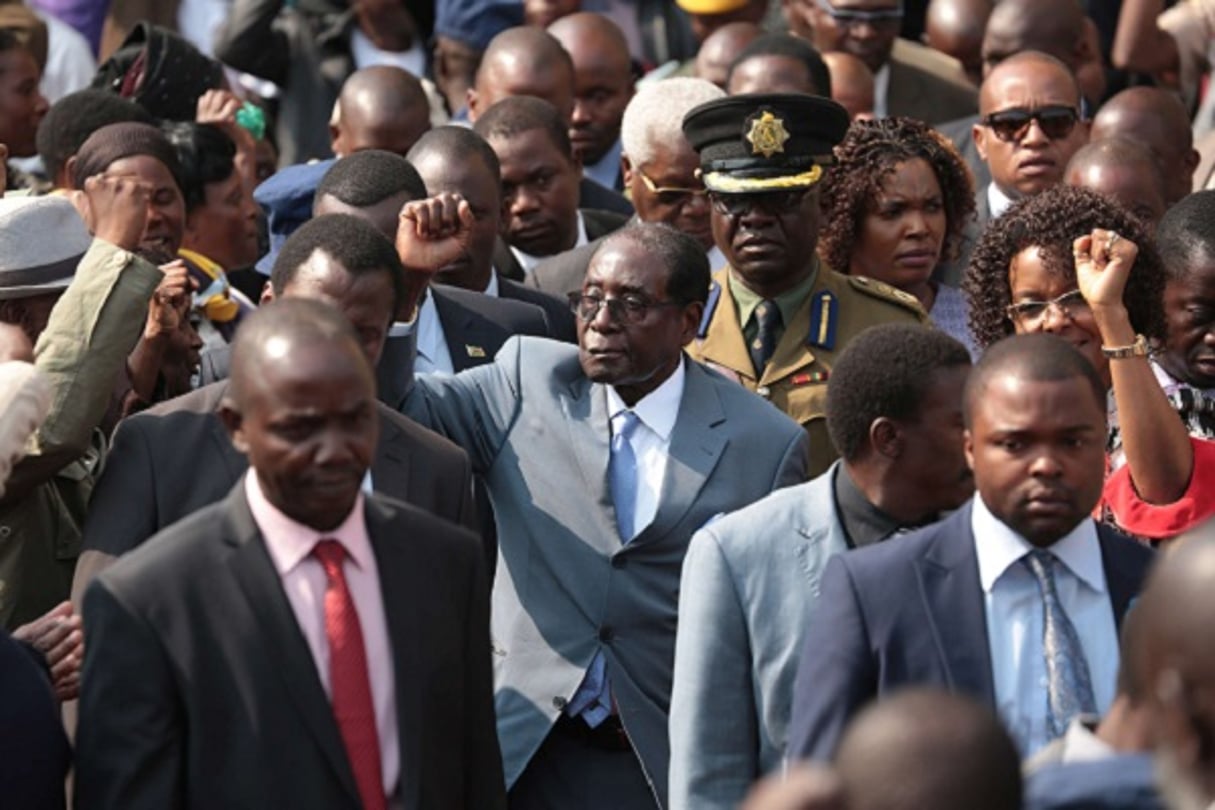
{"x": 909, "y": 79}
{"x": 777, "y": 318}
{"x": 661, "y": 173}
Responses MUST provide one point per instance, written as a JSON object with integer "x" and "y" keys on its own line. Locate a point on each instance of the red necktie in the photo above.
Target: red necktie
{"x": 349, "y": 682}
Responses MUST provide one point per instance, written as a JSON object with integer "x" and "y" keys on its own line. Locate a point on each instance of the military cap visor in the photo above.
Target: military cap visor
{"x": 765, "y": 141}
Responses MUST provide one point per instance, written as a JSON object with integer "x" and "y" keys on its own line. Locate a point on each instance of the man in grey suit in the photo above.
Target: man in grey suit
{"x": 894, "y": 410}
{"x": 601, "y": 463}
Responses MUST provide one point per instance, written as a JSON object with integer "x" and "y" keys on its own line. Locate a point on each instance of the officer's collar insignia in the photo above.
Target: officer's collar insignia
{"x": 766, "y": 134}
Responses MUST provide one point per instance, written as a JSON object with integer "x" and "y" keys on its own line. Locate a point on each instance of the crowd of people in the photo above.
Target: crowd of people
{"x": 577, "y": 404}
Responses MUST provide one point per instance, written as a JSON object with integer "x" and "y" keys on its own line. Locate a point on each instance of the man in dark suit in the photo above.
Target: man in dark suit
{"x": 539, "y": 182}
{"x": 457, "y": 160}
{"x": 300, "y": 644}
{"x": 975, "y": 603}
{"x": 602, "y": 461}
{"x": 176, "y": 458}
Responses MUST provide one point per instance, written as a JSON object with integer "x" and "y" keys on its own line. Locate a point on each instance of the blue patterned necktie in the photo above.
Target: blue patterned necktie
{"x": 1069, "y": 686}
{"x": 623, "y": 473}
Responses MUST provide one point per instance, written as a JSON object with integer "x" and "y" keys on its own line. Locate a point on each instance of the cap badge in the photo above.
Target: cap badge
{"x": 767, "y": 134}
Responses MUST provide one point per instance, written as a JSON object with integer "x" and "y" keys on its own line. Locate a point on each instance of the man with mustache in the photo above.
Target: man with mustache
{"x": 1016, "y": 598}
{"x": 777, "y": 318}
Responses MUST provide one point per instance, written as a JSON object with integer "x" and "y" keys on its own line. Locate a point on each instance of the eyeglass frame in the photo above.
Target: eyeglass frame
{"x": 618, "y": 306}
{"x": 1062, "y": 304}
{"x": 847, "y": 18}
{"x": 1033, "y": 114}
{"x": 686, "y": 191}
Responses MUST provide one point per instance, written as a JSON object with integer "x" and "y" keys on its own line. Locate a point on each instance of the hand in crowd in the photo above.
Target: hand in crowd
{"x": 115, "y": 208}
{"x": 387, "y": 23}
{"x": 170, "y": 304}
{"x": 1103, "y": 263}
{"x": 219, "y": 108}
{"x": 432, "y": 233}
{"x": 59, "y": 636}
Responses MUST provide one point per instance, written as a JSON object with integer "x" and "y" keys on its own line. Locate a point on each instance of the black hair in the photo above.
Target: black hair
{"x": 518, "y": 114}
{"x": 73, "y": 118}
{"x": 353, "y": 242}
{"x": 456, "y": 144}
{"x": 791, "y": 47}
{"x": 885, "y": 371}
{"x": 369, "y": 177}
{"x": 1186, "y": 235}
{"x": 206, "y": 155}
{"x": 684, "y": 257}
{"x": 1038, "y": 357}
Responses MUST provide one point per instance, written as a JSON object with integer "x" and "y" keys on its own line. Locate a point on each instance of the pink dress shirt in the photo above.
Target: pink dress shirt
{"x": 290, "y": 545}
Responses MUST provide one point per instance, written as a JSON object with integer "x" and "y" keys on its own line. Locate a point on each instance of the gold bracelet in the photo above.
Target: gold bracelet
{"x": 1137, "y": 349}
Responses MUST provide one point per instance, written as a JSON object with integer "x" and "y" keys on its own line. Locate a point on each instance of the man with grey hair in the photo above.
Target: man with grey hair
{"x": 659, "y": 167}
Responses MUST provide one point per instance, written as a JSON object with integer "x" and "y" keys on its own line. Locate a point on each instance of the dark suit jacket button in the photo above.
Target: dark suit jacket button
{"x": 606, "y": 634}
{"x": 559, "y": 703}
{"x": 620, "y": 561}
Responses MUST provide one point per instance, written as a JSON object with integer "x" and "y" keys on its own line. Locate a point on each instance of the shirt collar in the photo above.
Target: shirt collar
{"x": 289, "y": 542}
{"x": 491, "y": 289}
{"x": 607, "y": 169}
{"x": 864, "y": 523}
{"x": 997, "y": 201}
{"x": 529, "y": 262}
{"x": 658, "y": 409}
{"x": 428, "y": 327}
{"x": 787, "y": 302}
{"x": 998, "y": 548}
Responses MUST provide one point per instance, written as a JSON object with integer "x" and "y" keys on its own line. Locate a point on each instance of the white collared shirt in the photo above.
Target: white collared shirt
{"x": 1014, "y": 610}
{"x": 881, "y": 91}
{"x": 433, "y": 355}
{"x": 997, "y": 201}
{"x": 607, "y": 169}
{"x": 491, "y": 289}
{"x": 651, "y": 440}
{"x": 528, "y": 262}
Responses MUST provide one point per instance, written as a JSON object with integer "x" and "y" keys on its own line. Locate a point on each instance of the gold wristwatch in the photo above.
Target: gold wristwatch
{"x": 1137, "y": 349}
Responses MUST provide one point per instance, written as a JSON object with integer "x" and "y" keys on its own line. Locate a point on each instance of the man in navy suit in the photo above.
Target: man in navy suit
{"x": 1016, "y": 598}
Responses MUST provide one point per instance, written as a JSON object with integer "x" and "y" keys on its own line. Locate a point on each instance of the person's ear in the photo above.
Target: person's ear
{"x": 267, "y": 294}
{"x": 470, "y": 96}
{"x": 626, "y": 170}
{"x": 886, "y": 437}
{"x": 979, "y": 133}
{"x": 233, "y": 424}
{"x": 69, "y": 169}
{"x": 692, "y": 315}
{"x": 968, "y": 447}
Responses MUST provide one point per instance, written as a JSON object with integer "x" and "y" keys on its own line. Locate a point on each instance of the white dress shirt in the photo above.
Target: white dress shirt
{"x": 651, "y": 440}
{"x": 607, "y": 169}
{"x": 1015, "y": 617}
{"x": 290, "y": 547}
{"x": 881, "y": 91}
{"x": 528, "y": 262}
{"x": 491, "y": 289}
{"x": 997, "y": 201}
{"x": 433, "y": 355}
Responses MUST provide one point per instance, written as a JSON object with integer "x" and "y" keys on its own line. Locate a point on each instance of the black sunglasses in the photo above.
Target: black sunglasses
{"x": 1056, "y": 120}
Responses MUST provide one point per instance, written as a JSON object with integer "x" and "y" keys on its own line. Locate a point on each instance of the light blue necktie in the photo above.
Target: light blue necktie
{"x": 1069, "y": 686}
{"x": 623, "y": 472}
{"x": 593, "y": 700}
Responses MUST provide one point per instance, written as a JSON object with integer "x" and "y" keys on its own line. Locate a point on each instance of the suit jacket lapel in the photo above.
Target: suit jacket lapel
{"x": 505, "y": 263}
{"x": 390, "y": 468}
{"x": 400, "y": 582}
{"x": 460, "y": 331}
{"x": 696, "y": 447}
{"x": 953, "y": 597}
{"x": 587, "y": 420}
{"x": 254, "y": 572}
{"x": 1123, "y": 584}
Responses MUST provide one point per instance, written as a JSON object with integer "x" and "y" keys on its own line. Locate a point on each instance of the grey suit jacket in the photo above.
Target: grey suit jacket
{"x": 566, "y": 587}
{"x": 749, "y": 582}
{"x": 952, "y": 272}
{"x": 918, "y": 92}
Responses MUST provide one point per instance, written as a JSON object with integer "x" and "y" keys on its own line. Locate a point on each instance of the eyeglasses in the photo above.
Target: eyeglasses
{"x": 1030, "y": 314}
{"x": 630, "y": 308}
{"x": 885, "y": 19}
{"x": 672, "y": 196}
{"x": 773, "y": 203}
{"x": 1056, "y": 121}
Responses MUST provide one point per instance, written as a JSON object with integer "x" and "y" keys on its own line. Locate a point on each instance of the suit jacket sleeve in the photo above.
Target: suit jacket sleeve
{"x": 714, "y": 727}
{"x": 487, "y": 785}
{"x": 836, "y": 674}
{"x": 475, "y": 408}
{"x": 129, "y": 737}
{"x": 795, "y": 466}
{"x": 83, "y": 350}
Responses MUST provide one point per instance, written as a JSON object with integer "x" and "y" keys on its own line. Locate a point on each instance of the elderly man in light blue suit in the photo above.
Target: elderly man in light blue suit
{"x": 894, "y": 412}
{"x": 601, "y": 462}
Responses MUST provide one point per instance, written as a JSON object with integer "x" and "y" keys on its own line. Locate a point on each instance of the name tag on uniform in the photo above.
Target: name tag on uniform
{"x": 810, "y": 377}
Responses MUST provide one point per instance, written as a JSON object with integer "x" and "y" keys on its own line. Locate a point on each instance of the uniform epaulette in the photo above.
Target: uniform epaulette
{"x": 884, "y": 292}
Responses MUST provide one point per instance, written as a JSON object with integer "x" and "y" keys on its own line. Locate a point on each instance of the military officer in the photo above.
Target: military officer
{"x": 777, "y": 317}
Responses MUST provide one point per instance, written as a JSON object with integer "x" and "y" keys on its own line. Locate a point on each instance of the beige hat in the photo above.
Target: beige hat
{"x": 42, "y": 239}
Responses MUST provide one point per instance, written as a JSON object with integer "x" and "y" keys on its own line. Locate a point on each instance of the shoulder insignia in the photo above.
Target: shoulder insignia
{"x": 824, "y": 314}
{"x": 710, "y": 308}
{"x": 884, "y": 292}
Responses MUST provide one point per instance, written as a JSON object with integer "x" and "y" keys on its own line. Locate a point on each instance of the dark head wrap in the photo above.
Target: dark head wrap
{"x": 161, "y": 72}
{"x": 117, "y": 141}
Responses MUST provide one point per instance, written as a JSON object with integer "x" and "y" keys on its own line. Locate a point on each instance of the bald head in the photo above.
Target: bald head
{"x": 523, "y": 61}
{"x": 1030, "y": 70}
{"x": 955, "y": 28}
{"x": 380, "y": 107}
{"x": 1054, "y": 27}
{"x": 924, "y": 749}
{"x": 1157, "y": 119}
{"x": 851, "y": 83}
{"x": 721, "y": 48}
{"x": 1123, "y": 170}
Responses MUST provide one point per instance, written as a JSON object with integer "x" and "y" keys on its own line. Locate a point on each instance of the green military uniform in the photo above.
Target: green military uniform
{"x": 834, "y": 309}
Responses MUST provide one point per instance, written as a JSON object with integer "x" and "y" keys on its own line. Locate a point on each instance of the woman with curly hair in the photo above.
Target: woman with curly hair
{"x": 1072, "y": 263}
{"x": 893, "y": 207}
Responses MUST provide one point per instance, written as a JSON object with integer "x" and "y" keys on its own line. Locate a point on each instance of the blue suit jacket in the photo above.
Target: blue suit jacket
{"x": 1124, "y": 782}
{"x": 911, "y": 612}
